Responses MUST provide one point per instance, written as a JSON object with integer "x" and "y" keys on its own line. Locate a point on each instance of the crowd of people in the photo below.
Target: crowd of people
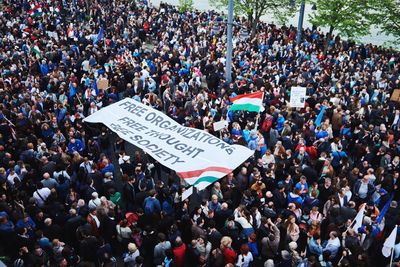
{"x": 75, "y": 194}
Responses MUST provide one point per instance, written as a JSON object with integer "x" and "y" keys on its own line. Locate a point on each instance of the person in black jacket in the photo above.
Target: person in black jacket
{"x": 222, "y": 215}
{"x": 129, "y": 194}
{"x": 108, "y": 227}
{"x": 280, "y": 200}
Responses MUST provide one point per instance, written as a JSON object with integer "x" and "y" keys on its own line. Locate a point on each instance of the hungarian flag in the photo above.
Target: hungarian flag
{"x": 250, "y": 102}
{"x": 37, "y": 51}
{"x": 36, "y": 11}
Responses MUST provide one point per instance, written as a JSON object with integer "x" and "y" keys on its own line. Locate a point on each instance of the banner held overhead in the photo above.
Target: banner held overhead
{"x": 197, "y": 156}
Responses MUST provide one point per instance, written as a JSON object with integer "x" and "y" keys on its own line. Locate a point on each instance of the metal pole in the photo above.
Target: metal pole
{"x": 300, "y": 24}
{"x": 228, "y": 71}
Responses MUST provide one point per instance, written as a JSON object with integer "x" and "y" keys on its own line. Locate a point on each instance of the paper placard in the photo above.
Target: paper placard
{"x": 395, "y": 95}
{"x": 298, "y": 97}
{"x": 219, "y": 125}
{"x": 102, "y": 84}
{"x": 187, "y": 193}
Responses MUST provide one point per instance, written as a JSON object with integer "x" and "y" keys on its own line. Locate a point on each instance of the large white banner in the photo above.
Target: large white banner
{"x": 197, "y": 156}
{"x": 298, "y": 97}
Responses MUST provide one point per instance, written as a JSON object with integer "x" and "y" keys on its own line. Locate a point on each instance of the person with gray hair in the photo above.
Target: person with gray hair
{"x": 269, "y": 263}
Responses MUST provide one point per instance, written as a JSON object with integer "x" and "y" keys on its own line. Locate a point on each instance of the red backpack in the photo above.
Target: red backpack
{"x": 266, "y": 125}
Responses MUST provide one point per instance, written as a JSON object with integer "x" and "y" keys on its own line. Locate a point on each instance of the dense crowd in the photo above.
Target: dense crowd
{"x": 75, "y": 194}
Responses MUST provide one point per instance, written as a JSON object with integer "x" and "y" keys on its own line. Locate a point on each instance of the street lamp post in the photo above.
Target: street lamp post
{"x": 300, "y": 24}
{"x": 228, "y": 70}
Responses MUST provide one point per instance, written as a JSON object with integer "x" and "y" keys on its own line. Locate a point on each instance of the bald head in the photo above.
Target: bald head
{"x": 224, "y": 206}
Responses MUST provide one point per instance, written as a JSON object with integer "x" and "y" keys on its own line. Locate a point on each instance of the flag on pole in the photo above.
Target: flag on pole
{"x": 37, "y": 51}
{"x": 358, "y": 220}
{"x": 389, "y": 243}
{"x": 384, "y": 210}
{"x": 36, "y": 11}
{"x": 320, "y": 116}
{"x": 72, "y": 90}
{"x": 99, "y": 37}
{"x": 250, "y": 102}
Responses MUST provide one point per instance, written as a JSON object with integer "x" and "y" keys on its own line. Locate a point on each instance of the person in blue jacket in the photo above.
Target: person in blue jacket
{"x": 280, "y": 123}
{"x": 75, "y": 145}
{"x": 151, "y": 204}
{"x": 314, "y": 245}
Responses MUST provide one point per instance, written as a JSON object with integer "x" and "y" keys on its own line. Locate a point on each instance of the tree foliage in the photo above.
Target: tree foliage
{"x": 351, "y": 18}
{"x": 185, "y": 5}
{"x": 387, "y": 16}
{"x": 254, "y": 9}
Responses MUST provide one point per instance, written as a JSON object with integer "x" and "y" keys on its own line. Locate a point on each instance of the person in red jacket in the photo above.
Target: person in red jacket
{"x": 227, "y": 251}
{"x": 179, "y": 252}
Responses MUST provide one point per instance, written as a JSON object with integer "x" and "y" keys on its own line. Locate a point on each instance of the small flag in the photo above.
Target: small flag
{"x": 55, "y": 10}
{"x": 36, "y": 11}
{"x": 94, "y": 86}
{"x": 100, "y": 36}
{"x": 250, "y": 102}
{"x": 72, "y": 90}
{"x": 389, "y": 243}
{"x": 320, "y": 116}
{"x": 359, "y": 219}
{"x": 37, "y": 51}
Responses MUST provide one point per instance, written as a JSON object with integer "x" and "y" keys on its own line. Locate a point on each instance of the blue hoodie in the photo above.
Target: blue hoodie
{"x": 280, "y": 123}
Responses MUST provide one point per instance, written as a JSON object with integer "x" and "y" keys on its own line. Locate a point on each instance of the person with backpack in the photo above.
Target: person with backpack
{"x": 337, "y": 156}
{"x": 151, "y": 204}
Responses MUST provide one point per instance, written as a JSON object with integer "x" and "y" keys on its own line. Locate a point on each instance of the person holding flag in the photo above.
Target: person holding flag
{"x": 388, "y": 246}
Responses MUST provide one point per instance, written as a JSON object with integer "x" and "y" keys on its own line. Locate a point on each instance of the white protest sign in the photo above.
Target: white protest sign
{"x": 197, "y": 156}
{"x": 219, "y": 125}
{"x": 298, "y": 97}
{"x": 187, "y": 193}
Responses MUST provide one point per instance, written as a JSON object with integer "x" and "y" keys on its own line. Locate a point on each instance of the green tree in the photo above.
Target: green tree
{"x": 350, "y": 18}
{"x": 387, "y": 16}
{"x": 185, "y": 5}
{"x": 254, "y": 9}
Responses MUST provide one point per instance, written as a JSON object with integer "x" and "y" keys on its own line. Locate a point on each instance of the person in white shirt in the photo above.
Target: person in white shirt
{"x": 12, "y": 176}
{"x": 244, "y": 218}
{"x": 41, "y": 195}
{"x": 333, "y": 244}
{"x": 245, "y": 256}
